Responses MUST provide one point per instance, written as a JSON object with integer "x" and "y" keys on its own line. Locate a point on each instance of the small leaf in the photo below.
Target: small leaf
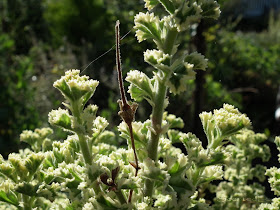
{"x": 9, "y": 197}
{"x": 210, "y": 8}
{"x": 27, "y": 188}
{"x": 174, "y": 136}
{"x": 33, "y": 162}
{"x": 147, "y": 27}
{"x": 141, "y": 85}
{"x": 182, "y": 74}
{"x": 168, "y": 6}
{"x": 150, "y": 4}
{"x": 127, "y": 184}
{"x": 197, "y": 60}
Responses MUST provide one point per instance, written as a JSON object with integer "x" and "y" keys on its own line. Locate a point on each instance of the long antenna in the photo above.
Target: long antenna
{"x": 103, "y": 54}
{"x": 118, "y": 63}
{"x": 127, "y": 112}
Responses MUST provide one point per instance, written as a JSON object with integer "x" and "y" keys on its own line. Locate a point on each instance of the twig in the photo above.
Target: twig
{"x": 127, "y": 112}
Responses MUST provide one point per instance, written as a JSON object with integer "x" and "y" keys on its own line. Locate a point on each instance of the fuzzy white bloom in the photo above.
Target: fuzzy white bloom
{"x": 273, "y": 206}
{"x": 75, "y": 81}
{"x": 149, "y": 4}
{"x": 213, "y": 171}
{"x": 7, "y": 185}
{"x": 156, "y": 57}
{"x": 43, "y": 132}
{"x": 106, "y": 161}
{"x": 27, "y": 134}
{"x": 60, "y": 117}
{"x": 164, "y": 201}
{"x": 136, "y": 75}
{"x": 205, "y": 117}
{"x": 88, "y": 206}
{"x": 224, "y": 122}
{"x": 165, "y": 143}
{"x": 230, "y": 116}
{"x": 141, "y": 18}
{"x": 99, "y": 124}
{"x": 274, "y": 181}
{"x": 182, "y": 159}
{"x": 143, "y": 206}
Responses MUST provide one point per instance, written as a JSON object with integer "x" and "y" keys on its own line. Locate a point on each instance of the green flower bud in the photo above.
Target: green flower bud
{"x": 150, "y": 4}
{"x": 35, "y": 139}
{"x": 61, "y": 118}
{"x": 141, "y": 86}
{"x": 76, "y": 88}
{"x": 18, "y": 164}
{"x": 147, "y": 27}
{"x": 158, "y": 59}
{"x": 223, "y": 123}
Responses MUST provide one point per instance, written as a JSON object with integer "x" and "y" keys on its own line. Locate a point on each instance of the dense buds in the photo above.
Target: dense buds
{"x": 61, "y": 118}
{"x": 223, "y": 123}
{"x": 76, "y": 88}
{"x": 91, "y": 169}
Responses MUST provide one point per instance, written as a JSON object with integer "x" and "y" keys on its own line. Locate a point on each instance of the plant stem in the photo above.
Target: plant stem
{"x": 158, "y": 109}
{"x": 82, "y": 140}
{"x": 169, "y": 41}
{"x": 120, "y": 196}
{"x": 26, "y": 202}
{"x": 85, "y": 148}
{"x": 152, "y": 146}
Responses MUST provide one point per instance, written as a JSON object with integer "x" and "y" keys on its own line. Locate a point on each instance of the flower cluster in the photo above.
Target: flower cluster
{"x": 223, "y": 123}
{"x": 239, "y": 170}
{"x": 90, "y": 169}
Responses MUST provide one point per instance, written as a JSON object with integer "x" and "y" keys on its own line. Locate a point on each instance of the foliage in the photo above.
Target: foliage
{"x": 235, "y": 192}
{"x": 246, "y": 64}
{"x": 273, "y": 174}
{"x": 16, "y": 93}
{"x": 91, "y": 170}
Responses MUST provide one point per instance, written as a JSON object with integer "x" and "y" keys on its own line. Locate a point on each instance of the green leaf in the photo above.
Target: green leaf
{"x": 65, "y": 90}
{"x": 197, "y": 60}
{"x": 138, "y": 95}
{"x": 27, "y": 188}
{"x": 7, "y": 170}
{"x": 148, "y": 26}
{"x": 210, "y": 8}
{"x": 168, "y": 6}
{"x": 174, "y": 122}
{"x": 150, "y": 4}
{"x": 86, "y": 97}
{"x": 127, "y": 184}
{"x": 180, "y": 184}
{"x": 187, "y": 14}
{"x": 216, "y": 158}
{"x": 105, "y": 204}
{"x": 182, "y": 74}
{"x": 152, "y": 172}
{"x": 9, "y": 197}
{"x": 33, "y": 162}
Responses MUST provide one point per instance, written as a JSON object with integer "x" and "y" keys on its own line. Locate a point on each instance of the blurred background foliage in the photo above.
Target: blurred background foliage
{"x": 41, "y": 39}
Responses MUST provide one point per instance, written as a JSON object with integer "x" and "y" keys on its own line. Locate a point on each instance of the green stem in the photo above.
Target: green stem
{"x": 196, "y": 175}
{"x": 158, "y": 110}
{"x": 26, "y": 202}
{"x": 152, "y": 146}
{"x": 120, "y": 196}
{"x": 76, "y": 111}
{"x": 85, "y": 148}
{"x": 170, "y": 41}
{"x": 82, "y": 139}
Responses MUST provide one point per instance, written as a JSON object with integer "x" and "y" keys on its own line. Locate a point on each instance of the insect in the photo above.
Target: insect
{"x": 127, "y": 112}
